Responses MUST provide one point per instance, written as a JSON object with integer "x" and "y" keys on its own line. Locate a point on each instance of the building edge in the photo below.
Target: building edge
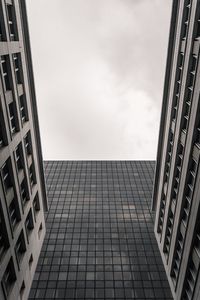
{"x": 27, "y": 46}
{"x": 172, "y": 31}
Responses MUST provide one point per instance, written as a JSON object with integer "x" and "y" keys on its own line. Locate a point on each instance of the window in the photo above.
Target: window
{"x": 1, "y": 33}
{"x": 3, "y": 135}
{"x": 2, "y": 132}
{"x": 20, "y": 247}
{"x": 29, "y": 225}
{"x": 191, "y": 76}
{"x": 24, "y": 192}
{"x": 178, "y": 83}
{"x": 192, "y": 174}
{"x": 5, "y": 66}
{"x": 40, "y": 230}
{"x": 189, "y": 91}
{"x": 185, "y": 24}
{"x": 6, "y": 175}
{"x": 36, "y": 205}
{"x": 2, "y": 28}
{"x": 197, "y": 136}
{"x": 22, "y": 289}
{"x": 14, "y": 213}
{"x": 9, "y": 278}
{"x": 12, "y": 22}
{"x": 32, "y": 174}
{"x": 17, "y": 67}
{"x": 30, "y": 262}
{"x": 197, "y": 25}
{"x": 13, "y": 117}
{"x": 19, "y": 157}
{"x": 27, "y": 143}
{"x": 23, "y": 108}
{"x": 4, "y": 243}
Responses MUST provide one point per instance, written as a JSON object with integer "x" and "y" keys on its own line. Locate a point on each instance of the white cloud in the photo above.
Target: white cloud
{"x": 99, "y": 71}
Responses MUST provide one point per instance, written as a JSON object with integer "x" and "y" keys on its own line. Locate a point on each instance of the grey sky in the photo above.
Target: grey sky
{"x": 99, "y": 72}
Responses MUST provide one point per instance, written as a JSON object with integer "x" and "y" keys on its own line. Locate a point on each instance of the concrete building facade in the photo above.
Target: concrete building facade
{"x": 22, "y": 188}
{"x": 176, "y": 196}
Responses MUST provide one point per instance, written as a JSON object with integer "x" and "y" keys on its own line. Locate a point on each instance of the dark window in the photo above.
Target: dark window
{"x": 19, "y": 157}
{"x": 6, "y": 71}
{"x": 197, "y": 136}
{"x": 24, "y": 192}
{"x": 2, "y": 28}
{"x": 13, "y": 117}
{"x": 1, "y": 137}
{"x": 32, "y": 174}
{"x": 29, "y": 223}
{"x": 36, "y": 205}
{"x": 12, "y": 22}
{"x": 17, "y": 67}
{"x": 2, "y": 130}
{"x": 6, "y": 175}
{"x": 185, "y": 118}
{"x": 14, "y": 213}
{"x": 30, "y": 262}
{"x": 177, "y": 85}
{"x": 185, "y": 24}
{"x": 9, "y": 278}
{"x": 191, "y": 75}
{"x": 1, "y": 33}
{"x": 23, "y": 109}
{"x": 20, "y": 247}
{"x": 27, "y": 143}
{"x": 175, "y": 107}
{"x": 197, "y": 33}
{"x": 4, "y": 243}
{"x": 193, "y": 64}
{"x": 22, "y": 289}
{"x": 192, "y": 173}
{"x": 40, "y": 230}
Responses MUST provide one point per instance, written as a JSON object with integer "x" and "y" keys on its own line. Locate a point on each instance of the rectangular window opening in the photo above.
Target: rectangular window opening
{"x": 12, "y": 22}
{"x": 9, "y": 278}
{"x": 20, "y": 247}
{"x": 5, "y": 66}
{"x": 14, "y": 213}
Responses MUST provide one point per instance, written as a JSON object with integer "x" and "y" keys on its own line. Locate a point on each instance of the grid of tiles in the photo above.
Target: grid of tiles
{"x": 100, "y": 242}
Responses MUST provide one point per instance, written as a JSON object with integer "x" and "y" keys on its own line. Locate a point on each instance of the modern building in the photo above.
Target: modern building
{"x": 176, "y": 196}
{"x": 100, "y": 241}
{"x": 22, "y": 187}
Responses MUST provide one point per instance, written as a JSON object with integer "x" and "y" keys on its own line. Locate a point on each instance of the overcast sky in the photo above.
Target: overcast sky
{"x": 99, "y": 73}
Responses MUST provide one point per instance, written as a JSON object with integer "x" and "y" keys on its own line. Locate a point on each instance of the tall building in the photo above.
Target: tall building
{"x": 100, "y": 241}
{"x": 22, "y": 188}
{"x": 176, "y": 196}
